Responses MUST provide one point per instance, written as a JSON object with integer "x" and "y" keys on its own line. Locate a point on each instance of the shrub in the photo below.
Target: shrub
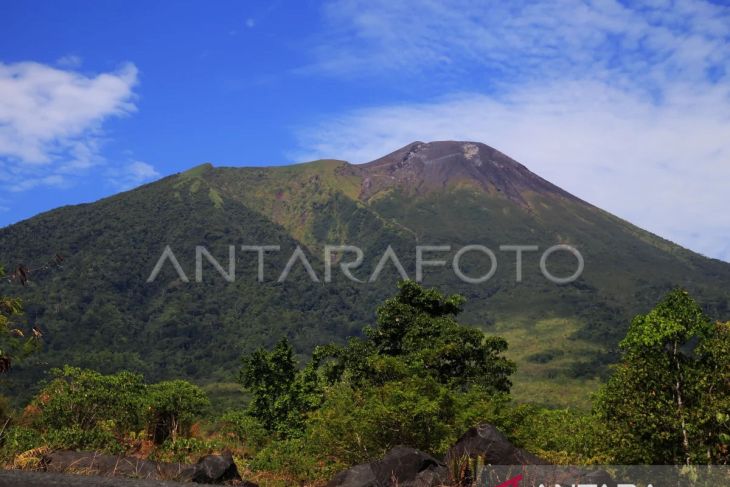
{"x": 562, "y": 436}
{"x": 245, "y": 429}
{"x": 78, "y": 399}
{"x": 295, "y": 458}
{"x": 97, "y": 439}
{"x": 185, "y": 450}
{"x": 19, "y": 439}
{"x": 173, "y": 406}
{"x": 358, "y": 425}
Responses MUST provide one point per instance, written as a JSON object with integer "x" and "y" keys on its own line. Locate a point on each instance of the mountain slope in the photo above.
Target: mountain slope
{"x": 99, "y": 311}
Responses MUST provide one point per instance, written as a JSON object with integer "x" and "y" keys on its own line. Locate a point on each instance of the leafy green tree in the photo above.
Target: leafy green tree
{"x": 416, "y": 338}
{"x": 667, "y": 397}
{"x": 16, "y": 344}
{"x": 173, "y": 406}
{"x": 417, "y": 334}
{"x": 713, "y": 383}
{"x": 281, "y": 393}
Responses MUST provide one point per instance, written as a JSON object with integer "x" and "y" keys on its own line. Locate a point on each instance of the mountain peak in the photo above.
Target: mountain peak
{"x": 430, "y": 166}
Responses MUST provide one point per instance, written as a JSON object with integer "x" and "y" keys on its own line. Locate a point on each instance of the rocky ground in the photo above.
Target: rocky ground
{"x": 400, "y": 467}
{"x": 21, "y": 478}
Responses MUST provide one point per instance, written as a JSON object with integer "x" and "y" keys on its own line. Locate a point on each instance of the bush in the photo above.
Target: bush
{"x": 358, "y": 425}
{"x": 173, "y": 406}
{"x": 96, "y": 439}
{"x": 78, "y": 399}
{"x": 19, "y": 439}
{"x": 245, "y": 429}
{"x": 83, "y": 409}
{"x": 562, "y": 436}
{"x": 295, "y": 458}
{"x": 185, "y": 450}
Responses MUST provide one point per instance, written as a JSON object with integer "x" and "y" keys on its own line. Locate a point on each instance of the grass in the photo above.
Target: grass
{"x": 545, "y": 382}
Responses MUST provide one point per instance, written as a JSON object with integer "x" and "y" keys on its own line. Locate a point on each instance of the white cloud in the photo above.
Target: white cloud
{"x": 54, "y": 180}
{"x": 627, "y": 108}
{"x": 133, "y": 174}
{"x": 51, "y": 119}
{"x": 525, "y": 39}
{"x": 663, "y": 168}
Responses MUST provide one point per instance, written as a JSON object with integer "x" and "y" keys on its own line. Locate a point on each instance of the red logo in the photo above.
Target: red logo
{"x": 513, "y": 482}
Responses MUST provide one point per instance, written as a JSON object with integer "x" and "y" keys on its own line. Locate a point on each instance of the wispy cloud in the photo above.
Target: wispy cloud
{"x": 69, "y": 61}
{"x": 628, "y": 108}
{"x": 132, "y": 174}
{"x": 527, "y": 39}
{"x": 51, "y": 120}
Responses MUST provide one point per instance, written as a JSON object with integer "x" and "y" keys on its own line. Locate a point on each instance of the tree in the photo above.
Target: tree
{"x": 665, "y": 399}
{"x": 417, "y": 334}
{"x": 416, "y": 337}
{"x": 172, "y": 408}
{"x": 16, "y": 344}
{"x": 281, "y": 393}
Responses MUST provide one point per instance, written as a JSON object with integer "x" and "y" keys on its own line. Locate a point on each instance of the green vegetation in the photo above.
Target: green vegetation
{"x": 16, "y": 344}
{"x": 98, "y": 312}
{"x": 281, "y": 393}
{"x": 172, "y": 408}
{"x": 417, "y": 377}
{"x": 83, "y": 409}
{"x": 669, "y": 398}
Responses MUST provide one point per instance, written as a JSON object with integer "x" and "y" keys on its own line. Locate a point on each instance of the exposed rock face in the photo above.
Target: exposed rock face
{"x": 402, "y": 466}
{"x": 487, "y": 442}
{"x": 491, "y": 447}
{"x": 422, "y": 167}
{"x": 211, "y": 469}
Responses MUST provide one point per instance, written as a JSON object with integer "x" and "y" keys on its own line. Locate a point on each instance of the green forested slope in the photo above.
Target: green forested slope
{"x": 98, "y": 311}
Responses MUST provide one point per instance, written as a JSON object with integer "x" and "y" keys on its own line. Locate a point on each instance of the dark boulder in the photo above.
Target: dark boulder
{"x": 215, "y": 469}
{"x": 490, "y": 445}
{"x": 92, "y": 463}
{"x": 211, "y": 469}
{"x": 486, "y": 445}
{"x": 402, "y": 466}
{"x": 357, "y": 476}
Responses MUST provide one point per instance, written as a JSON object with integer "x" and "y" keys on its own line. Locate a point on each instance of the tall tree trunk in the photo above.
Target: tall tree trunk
{"x": 680, "y": 405}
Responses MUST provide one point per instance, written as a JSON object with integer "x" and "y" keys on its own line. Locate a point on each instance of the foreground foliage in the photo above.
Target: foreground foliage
{"x": 16, "y": 343}
{"x": 669, "y": 398}
{"x": 418, "y": 377}
{"x": 83, "y": 409}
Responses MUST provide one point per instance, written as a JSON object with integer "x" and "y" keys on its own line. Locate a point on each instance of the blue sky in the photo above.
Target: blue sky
{"x": 625, "y": 104}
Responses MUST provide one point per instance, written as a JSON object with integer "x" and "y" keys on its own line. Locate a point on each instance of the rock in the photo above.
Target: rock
{"x": 491, "y": 447}
{"x": 402, "y": 466}
{"x": 92, "y": 463}
{"x": 210, "y": 469}
{"x": 357, "y": 476}
{"x": 488, "y": 443}
{"x": 215, "y": 469}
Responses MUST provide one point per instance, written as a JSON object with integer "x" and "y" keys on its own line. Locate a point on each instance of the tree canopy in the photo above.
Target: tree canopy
{"x": 668, "y": 399}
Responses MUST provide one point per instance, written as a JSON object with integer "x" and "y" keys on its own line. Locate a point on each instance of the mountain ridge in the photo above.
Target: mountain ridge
{"x": 99, "y": 311}
{"x": 436, "y": 165}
